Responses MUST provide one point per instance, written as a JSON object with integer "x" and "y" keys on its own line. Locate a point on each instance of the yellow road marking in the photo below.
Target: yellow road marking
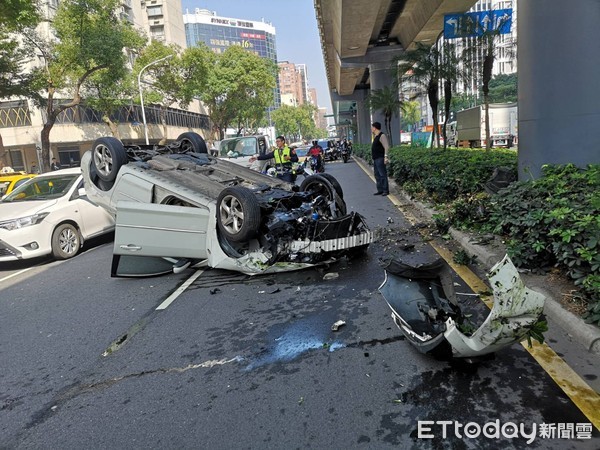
{"x": 580, "y": 393}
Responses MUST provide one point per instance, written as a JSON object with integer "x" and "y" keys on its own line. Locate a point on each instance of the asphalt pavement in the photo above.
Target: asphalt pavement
{"x": 253, "y": 362}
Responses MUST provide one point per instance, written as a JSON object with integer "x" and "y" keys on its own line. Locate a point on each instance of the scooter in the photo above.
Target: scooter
{"x": 424, "y": 306}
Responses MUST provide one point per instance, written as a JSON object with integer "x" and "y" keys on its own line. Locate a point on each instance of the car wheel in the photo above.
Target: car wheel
{"x": 108, "y": 155}
{"x": 192, "y": 142}
{"x": 66, "y": 241}
{"x": 238, "y": 213}
{"x": 336, "y": 185}
{"x": 321, "y": 186}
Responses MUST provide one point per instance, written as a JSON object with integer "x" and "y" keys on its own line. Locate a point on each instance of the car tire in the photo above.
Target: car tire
{"x": 66, "y": 241}
{"x": 192, "y": 142}
{"x": 320, "y": 185}
{"x": 108, "y": 156}
{"x": 238, "y": 213}
{"x": 335, "y": 183}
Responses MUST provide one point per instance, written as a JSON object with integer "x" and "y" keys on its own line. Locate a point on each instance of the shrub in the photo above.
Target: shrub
{"x": 446, "y": 175}
{"x": 552, "y": 221}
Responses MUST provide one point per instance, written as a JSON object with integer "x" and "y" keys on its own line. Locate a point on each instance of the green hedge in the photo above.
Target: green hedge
{"x": 552, "y": 221}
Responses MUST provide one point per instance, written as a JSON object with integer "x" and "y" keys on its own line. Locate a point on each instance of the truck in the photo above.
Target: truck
{"x": 469, "y": 128}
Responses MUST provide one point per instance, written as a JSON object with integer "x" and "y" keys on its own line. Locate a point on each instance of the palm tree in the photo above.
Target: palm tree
{"x": 485, "y": 46}
{"x": 450, "y": 73}
{"x": 422, "y": 67}
{"x": 387, "y": 101}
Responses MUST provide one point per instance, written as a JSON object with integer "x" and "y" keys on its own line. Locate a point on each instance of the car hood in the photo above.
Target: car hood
{"x": 15, "y": 210}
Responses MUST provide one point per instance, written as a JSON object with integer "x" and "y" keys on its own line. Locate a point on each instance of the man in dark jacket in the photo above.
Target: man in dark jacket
{"x": 379, "y": 153}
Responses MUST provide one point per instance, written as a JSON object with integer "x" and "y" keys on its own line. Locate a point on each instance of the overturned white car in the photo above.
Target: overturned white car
{"x": 176, "y": 206}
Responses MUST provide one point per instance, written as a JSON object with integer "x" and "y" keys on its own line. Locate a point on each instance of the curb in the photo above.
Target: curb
{"x": 585, "y": 334}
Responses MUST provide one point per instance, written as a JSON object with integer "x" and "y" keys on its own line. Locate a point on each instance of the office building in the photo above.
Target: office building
{"x": 219, "y": 33}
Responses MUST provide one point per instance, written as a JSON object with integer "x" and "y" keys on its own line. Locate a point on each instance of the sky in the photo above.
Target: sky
{"x": 296, "y": 29}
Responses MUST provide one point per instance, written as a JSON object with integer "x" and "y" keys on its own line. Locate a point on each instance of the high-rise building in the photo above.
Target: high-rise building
{"x": 163, "y": 20}
{"x": 290, "y": 84}
{"x": 21, "y": 121}
{"x": 218, "y": 33}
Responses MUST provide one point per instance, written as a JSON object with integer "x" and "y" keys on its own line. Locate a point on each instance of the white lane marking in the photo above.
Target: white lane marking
{"x": 180, "y": 290}
{"x": 15, "y": 274}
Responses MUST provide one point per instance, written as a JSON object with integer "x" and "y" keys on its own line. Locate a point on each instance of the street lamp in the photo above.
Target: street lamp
{"x": 142, "y": 97}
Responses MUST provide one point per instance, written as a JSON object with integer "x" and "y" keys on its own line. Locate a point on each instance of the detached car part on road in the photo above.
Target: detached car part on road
{"x": 424, "y": 307}
{"x": 177, "y": 206}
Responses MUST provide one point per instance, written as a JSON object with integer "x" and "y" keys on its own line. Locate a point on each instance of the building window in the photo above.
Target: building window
{"x": 154, "y": 11}
{"x": 16, "y": 160}
{"x": 14, "y": 114}
{"x": 157, "y": 32}
{"x": 69, "y": 157}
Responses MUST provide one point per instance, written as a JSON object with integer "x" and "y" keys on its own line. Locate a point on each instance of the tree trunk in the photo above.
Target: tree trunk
{"x": 45, "y": 139}
{"x": 3, "y": 159}
{"x": 388, "y": 127}
{"x": 163, "y": 121}
{"x": 488, "y": 64}
{"x": 432, "y": 94}
{"x": 114, "y": 129}
{"x": 447, "y": 100}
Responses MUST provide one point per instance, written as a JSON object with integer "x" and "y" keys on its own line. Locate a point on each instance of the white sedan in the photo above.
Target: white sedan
{"x": 49, "y": 214}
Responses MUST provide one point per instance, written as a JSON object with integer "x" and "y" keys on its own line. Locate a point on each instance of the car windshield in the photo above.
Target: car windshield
{"x": 42, "y": 188}
{"x": 238, "y": 147}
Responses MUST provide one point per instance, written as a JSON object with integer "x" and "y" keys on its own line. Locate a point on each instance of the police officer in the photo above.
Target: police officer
{"x": 284, "y": 159}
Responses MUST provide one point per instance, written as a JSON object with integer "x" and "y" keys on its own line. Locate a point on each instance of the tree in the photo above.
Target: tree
{"x": 18, "y": 16}
{"x": 109, "y": 91}
{"x": 89, "y": 39}
{"x": 503, "y": 88}
{"x": 450, "y": 75}
{"x": 239, "y": 88}
{"x": 285, "y": 120}
{"x": 387, "y": 101}
{"x": 178, "y": 79}
{"x": 422, "y": 67}
{"x": 411, "y": 115}
{"x": 486, "y": 45}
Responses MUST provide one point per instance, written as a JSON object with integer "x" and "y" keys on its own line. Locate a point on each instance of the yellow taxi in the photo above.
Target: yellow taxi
{"x": 9, "y": 181}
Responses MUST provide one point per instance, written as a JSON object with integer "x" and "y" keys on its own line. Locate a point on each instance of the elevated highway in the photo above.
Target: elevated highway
{"x": 558, "y": 67}
{"x": 360, "y": 40}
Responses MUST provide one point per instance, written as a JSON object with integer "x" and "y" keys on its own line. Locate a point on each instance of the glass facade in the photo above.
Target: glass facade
{"x": 219, "y": 33}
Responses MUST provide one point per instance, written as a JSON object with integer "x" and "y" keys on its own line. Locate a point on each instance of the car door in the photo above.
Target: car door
{"x": 94, "y": 220}
{"x": 146, "y": 231}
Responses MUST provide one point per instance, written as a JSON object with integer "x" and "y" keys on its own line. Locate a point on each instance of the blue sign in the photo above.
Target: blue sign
{"x": 477, "y": 23}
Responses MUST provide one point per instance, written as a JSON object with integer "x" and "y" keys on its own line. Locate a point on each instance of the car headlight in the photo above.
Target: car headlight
{"x": 23, "y": 222}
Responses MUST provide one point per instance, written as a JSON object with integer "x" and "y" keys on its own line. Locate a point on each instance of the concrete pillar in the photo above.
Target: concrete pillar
{"x": 559, "y": 72}
{"x": 381, "y": 75}
{"x": 363, "y": 119}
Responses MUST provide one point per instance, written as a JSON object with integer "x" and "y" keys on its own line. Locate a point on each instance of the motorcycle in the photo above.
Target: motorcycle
{"x": 425, "y": 308}
{"x": 316, "y": 164}
{"x": 345, "y": 154}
